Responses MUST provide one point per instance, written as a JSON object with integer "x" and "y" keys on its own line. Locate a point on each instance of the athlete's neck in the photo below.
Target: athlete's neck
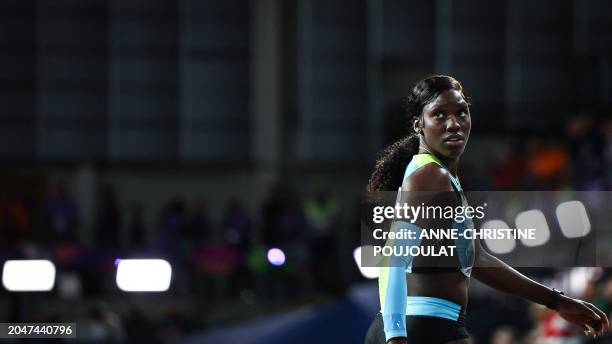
{"x": 451, "y": 164}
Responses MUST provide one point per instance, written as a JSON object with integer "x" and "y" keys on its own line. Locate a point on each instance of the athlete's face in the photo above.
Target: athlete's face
{"x": 446, "y": 124}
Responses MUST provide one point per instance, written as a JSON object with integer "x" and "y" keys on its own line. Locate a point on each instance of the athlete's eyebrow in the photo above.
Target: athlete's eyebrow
{"x": 463, "y": 105}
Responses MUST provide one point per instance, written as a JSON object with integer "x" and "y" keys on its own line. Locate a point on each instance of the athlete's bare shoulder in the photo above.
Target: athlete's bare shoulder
{"x": 430, "y": 177}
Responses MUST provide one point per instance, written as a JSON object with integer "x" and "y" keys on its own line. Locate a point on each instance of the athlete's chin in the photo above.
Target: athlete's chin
{"x": 452, "y": 149}
{"x": 453, "y": 153}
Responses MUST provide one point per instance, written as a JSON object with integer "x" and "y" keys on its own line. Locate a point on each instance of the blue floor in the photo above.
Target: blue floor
{"x": 345, "y": 320}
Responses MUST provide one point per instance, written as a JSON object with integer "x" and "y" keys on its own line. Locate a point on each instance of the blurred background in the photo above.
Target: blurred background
{"x": 233, "y": 140}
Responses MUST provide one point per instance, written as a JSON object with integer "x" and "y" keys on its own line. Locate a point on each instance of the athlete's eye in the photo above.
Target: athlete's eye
{"x": 438, "y": 115}
{"x": 463, "y": 114}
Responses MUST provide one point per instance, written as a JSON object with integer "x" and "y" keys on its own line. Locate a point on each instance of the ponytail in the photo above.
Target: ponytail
{"x": 390, "y": 166}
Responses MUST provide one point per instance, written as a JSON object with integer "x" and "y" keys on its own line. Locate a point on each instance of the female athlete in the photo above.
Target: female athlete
{"x": 423, "y": 302}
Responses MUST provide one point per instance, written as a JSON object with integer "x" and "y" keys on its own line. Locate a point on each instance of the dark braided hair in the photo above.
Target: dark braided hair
{"x": 392, "y": 161}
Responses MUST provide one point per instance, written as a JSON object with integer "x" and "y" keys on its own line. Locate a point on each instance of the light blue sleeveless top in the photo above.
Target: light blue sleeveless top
{"x": 464, "y": 247}
{"x": 392, "y": 284}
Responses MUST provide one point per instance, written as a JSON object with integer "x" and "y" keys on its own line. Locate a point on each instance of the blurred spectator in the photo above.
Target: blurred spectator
{"x": 603, "y": 300}
{"x": 237, "y": 237}
{"x": 321, "y": 212}
{"x": 236, "y": 224}
{"x": 283, "y": 221}
{"x": 102, "y": 326}
{"x": 294, "y": 236}
{"x": 136, "y": 226}
{"x": 586, "y": 147}
{"x": 508, "y": 170}
{"x": 216, "y": 263}
{"x": 553, "y": 329}
{"x": 199, "y": 226}
{"x": 108, "y": 221}
{"x": 171, "y": 226}
{"x": 61, "y": 214}
{"x": 546, "y": 164}
{"x": 14, "y": 220}
{"x": 271, "y": 214}
{"x": 557, "y": 330}
{"x": 198, "y": 235}
{"x": 282, "y": 227}
{"x": 108, "y": 241}
{"x": 172, "y": 241}
{"x": 292, "y": 219}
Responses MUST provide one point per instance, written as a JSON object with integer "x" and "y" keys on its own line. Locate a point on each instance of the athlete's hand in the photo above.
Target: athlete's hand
{"x": 583, "y": 314}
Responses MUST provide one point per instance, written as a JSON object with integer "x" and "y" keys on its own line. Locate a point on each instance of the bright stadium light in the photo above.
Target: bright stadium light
{"x": 573, "y": 219}
{"x": 370, "y": 272}
{"x": 533, "y": 219}
{"x": 143, "y": 275}
{"x": 498, "y": 246}
{"x": 580, "y": 278}
{"x": 28, "y": 275}
{"x": 276, "y": 256}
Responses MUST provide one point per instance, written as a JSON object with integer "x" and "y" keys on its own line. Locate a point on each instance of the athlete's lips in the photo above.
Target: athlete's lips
{"x": 454, "y": 138}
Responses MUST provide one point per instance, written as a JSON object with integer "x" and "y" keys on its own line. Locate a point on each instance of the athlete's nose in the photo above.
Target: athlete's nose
{"x": 452, "y": 124}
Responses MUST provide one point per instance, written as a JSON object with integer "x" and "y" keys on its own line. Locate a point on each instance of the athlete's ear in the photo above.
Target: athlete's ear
{"x": 416, "y": 125}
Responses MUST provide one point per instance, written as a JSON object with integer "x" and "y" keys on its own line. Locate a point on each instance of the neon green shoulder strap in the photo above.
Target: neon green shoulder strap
{"x": 420, "y": 160}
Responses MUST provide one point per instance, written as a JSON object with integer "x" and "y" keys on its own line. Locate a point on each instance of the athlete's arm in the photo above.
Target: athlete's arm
{"x": 392, "y": 291}
{"x": 499, "y": 275}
